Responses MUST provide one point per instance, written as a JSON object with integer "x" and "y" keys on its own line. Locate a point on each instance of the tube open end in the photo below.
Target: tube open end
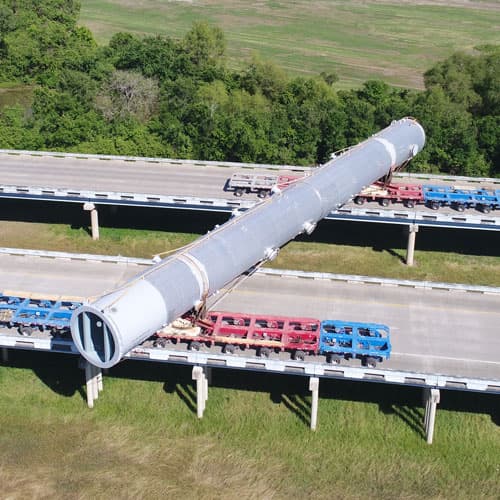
{"x": 94, "y": 337}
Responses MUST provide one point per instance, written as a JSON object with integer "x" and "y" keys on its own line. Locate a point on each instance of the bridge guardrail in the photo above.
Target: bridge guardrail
{"x": 288, "y": 367}
{"x": 347, "y": 278}
{"x": 170, "y": 161}
{"x": 465, "y": 220}
{"x": 229, "y": 164}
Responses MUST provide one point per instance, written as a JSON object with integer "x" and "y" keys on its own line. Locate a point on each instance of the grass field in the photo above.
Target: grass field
{"x": 394, "y": 41}
{"x": 142, "y": 440}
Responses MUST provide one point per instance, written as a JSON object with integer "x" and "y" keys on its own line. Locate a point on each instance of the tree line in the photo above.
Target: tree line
{"x": 167, "y": 97}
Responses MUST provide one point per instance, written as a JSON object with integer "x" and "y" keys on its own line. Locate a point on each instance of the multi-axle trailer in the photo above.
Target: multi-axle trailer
{"x": 431, "y": 195}
{"x": 266, "y": 336}
{"x": 261, "y": 335}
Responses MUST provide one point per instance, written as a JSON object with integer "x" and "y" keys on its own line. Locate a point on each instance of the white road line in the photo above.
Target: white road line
{"x": 447, "y": 358}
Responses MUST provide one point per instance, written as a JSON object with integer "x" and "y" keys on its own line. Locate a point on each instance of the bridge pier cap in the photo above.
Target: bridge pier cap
{"x": 105, "y": 330}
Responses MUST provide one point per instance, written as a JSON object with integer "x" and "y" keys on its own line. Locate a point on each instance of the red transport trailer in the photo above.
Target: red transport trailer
{"x": 408, "y": 194}
{"x": 232, "y": 331}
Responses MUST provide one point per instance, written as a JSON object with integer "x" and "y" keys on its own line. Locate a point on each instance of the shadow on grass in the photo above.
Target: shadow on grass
{"x": 381, "y": 237}
{"x": 62, "y": 375}
{"x": 413, "y": 417}
{"x": 185, "y": 392}
{"x": 80, "y": 227}
{"x": 402, "y": 401}
{"x": 298, "y": 405}
{"x": 393, "y": 253}
{"x": 60, "y": 382}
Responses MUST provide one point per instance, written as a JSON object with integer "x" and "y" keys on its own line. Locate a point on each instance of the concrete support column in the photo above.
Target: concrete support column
{"x": 432, "y": 397}
{"x": 93, "y": 380}
{"x": 314, "y": 388}
{"x": 201, "y": 389}
{"x": 94, "y": 220}
{"x": 412, "y": 232}
{"x": 5, "y": 355}
{"x": 99, "y": 380}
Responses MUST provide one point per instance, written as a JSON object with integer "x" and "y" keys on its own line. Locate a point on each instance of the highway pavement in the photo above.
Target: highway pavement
{"x": 146, "y": 177}
{"x": 52, "y": 278}
{"x": 433, "y": 331}
{"x": 167, "y": 179}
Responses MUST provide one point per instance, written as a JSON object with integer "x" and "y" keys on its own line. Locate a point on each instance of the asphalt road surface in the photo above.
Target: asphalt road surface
{"x": 141, "y": 177}
{"x": 432, "y": 331}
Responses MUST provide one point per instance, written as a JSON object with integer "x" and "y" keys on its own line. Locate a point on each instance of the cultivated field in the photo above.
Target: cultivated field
{"x": 387, "y": 39}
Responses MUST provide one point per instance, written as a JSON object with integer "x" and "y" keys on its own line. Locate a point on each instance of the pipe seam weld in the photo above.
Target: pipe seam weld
{"x": 199, "y": 271}
{"x": 389, "y": 147}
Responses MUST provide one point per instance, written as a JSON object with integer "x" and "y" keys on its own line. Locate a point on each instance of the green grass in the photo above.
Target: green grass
{"x": 143, "y": 440}
{"x": 448, "y": 267}
{"x": 384, "y": 39}
{"x": 377, "y": 251}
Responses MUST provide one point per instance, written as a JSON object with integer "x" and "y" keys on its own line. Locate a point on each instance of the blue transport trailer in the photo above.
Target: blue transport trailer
{"x": 29, "y": 315}
{"x": 484, "y": 200}
{"x": 369, "y": 342}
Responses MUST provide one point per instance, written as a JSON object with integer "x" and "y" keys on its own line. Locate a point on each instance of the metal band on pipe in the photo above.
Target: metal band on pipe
{"x": 389, "y": 147}
{"x": 199, "y": 271}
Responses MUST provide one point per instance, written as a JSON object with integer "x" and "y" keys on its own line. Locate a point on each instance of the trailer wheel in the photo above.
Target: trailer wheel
{"x": 264, "y": 352}
{"x": 229, "y": 349}
{"x": 410, "y": 203}
{"x": 26, "y": 331}
{"x": 299, "y": 355}
{"x": 486, "y": 209}
{"x": 370, "y": 362}
{"x": 335, "y": 359}
{"x": 194, "y": 346}
{"x": 238, "y": 192}
{"x": 160, "y": 342}
{"x": 262, "y": 193}
{"x": 384, "y": 202}
{"x": 460, "y": 207}
{"x": 434, "y": 205}
{"x": 359, "y": 200}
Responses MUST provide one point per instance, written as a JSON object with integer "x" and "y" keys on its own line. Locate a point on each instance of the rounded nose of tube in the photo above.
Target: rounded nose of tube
{"x": 419, "y": 144}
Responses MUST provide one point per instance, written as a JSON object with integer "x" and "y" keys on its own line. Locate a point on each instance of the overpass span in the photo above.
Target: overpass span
{"x": 94, "y": 180}
{"x": 438, "y": 329}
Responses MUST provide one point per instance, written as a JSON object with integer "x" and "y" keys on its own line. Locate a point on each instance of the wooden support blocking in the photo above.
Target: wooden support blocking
{"x": 5, "y": 355}
{"x": 94, "y": 219}
{"x": 432, "y": 397}
{"x": 410, "y": 251}
{"x": 201, "y": 376}
{"x": 314, "y": 388}
{"x": 93, "y": 379}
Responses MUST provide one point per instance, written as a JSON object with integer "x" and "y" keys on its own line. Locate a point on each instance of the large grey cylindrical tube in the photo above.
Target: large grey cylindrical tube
{"x": 107, "y": 329}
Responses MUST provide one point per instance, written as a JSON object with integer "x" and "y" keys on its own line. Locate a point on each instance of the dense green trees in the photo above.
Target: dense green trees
{"x": 158, "y": 96}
